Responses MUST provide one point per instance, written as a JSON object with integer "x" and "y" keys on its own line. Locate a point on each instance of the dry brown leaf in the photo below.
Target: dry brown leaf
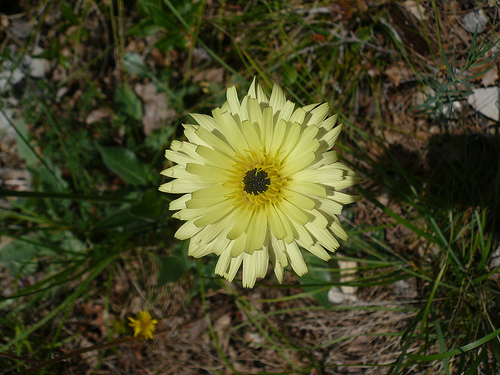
{"x": 155, "y": 107}
{"x": 97, "y": 115}
{"x": 398, "y": 73}
{"x": 490, "y": 77}
{"x": 210, "y": 75}
{"x": 416, "y": 9}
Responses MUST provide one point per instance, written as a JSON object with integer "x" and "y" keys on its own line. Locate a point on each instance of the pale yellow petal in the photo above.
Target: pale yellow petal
{"x": 275, "y": 223}
{"x": 299, "y": 200}
{"x": 206, "y": 202}
{"x": 329, "y": 123}
{"x": 197, "y": 251}
{"x": 184, "y": 148}
{"x": 238, "y": 245}
{"x": 252, "y": 90}
{"x": 279, "y": 272}
{"x": 181, "y": 186}
{"x": 262, "y": 261}
{"x": 254, "y": 111}
{"x": 249, "y": 270}
{"x": 214, "y": 235}
{"x": 186, "y": 230}
{"x": 209, "y": 173}
{"x": 242, "y": 217}
{"x": 323, "y": 175}
{"x": 337, "y": 229}
{"x": 231, "y": 130}
{"x": 293, "y": 212}
{"x": 261, "y": 95}
{"x": 210, "y": 192}
{"x": 179, "y": 157}
{"x": 217, "y": 142}
{"x": 287, "y": 110}
{"x": 348, "y": 181}
{"x": 324, "y": 237}
{"x": 278, "y": 137}
{"x": 215, "y": 158}
{"x": 298, "y": 164}
{"x": 177, "y": 171}
{"x": 267, "y": 128}
{"x": 223, "y": 263}
{"x": 304, "y": 187}
{"x": 304, "y": 238}
{"x": 233, "y": 268}
{"x": 330, "y": 206}
{"x": 324, "y": 158}
{"x": 204, "y": 121}
{"x": 345, "y": 198}
{"x": 233, "y": 101}
{"x": 251, "y": 133}
{"x": 291, "y": 138}
{"x": 319, "y": 251}
{"x": 278, "y": 248}
{"x": 296, "y": 259}
{"x": 298, "y": 116}
{"x": 179, "y": 203}
{"x": 317, "y": 115}
{"x": 310, "y": 107}
{"x": 331, "y": 136}
{"x": 258, "y": 230}
{"x": 191, "y": 134}
{"x": 214, "y": 214}
{"x": 278, "y": 98}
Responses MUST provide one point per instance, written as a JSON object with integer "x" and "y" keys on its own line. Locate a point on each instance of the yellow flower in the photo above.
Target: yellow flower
{"x": 144, "y": 325}
{"x": 259, "y": 181}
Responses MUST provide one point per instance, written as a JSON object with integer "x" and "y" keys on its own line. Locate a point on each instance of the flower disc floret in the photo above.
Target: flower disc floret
{"x": 259, "y": 181}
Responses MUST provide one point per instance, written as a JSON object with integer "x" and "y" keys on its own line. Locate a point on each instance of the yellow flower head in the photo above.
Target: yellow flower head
{"x": 144, "y": 325}
{"x": 259, "y": 180}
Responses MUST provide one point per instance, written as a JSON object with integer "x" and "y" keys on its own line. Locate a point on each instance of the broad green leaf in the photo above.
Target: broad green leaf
{"x": 17, "y": 257}
{"x": 150, "y": 206}
{"x": 318, "y": 274}
{"x": 68, "y": 13}
{"x": 127, "y": 102}
{"x": 171, "y": 269}
{"x": 25, "y": 150}
{"x": 133, "y": 64}
{"x": 124, "y": 163}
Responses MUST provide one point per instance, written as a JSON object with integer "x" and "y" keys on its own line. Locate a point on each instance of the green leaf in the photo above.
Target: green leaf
{"x": 17, "y": 256}
{"x": 150, "y": 206}
{"x": 170, "y": 42}
{"x": 171, "y": 269}
{"x": 133, "y": 64}
{"x": 144, "y": 28}
{"x": 124, "y": 163}
{"x": 119, "y": 219}
{"x": 318, "y": 274}
{"x": 25, "y": 150}
{"x": 127, "y": 102}
{"x": 68, "y": 13}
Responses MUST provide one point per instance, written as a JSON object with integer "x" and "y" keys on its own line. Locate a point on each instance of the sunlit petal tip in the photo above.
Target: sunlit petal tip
{"x": 258, "y": 180}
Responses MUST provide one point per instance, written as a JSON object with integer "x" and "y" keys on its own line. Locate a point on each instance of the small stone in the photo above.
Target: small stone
{"x": 475, "y": 20}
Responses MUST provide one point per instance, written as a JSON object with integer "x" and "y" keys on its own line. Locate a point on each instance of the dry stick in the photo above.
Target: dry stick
{"x": 25, "y": 359}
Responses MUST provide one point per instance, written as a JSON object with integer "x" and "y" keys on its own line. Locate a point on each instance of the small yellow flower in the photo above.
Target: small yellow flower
{"x": 144, "y": 325}
{"x": 259, "y": 180}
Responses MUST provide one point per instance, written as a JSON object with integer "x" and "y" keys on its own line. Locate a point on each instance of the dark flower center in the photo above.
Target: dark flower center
{"x": 256, "y": 181}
